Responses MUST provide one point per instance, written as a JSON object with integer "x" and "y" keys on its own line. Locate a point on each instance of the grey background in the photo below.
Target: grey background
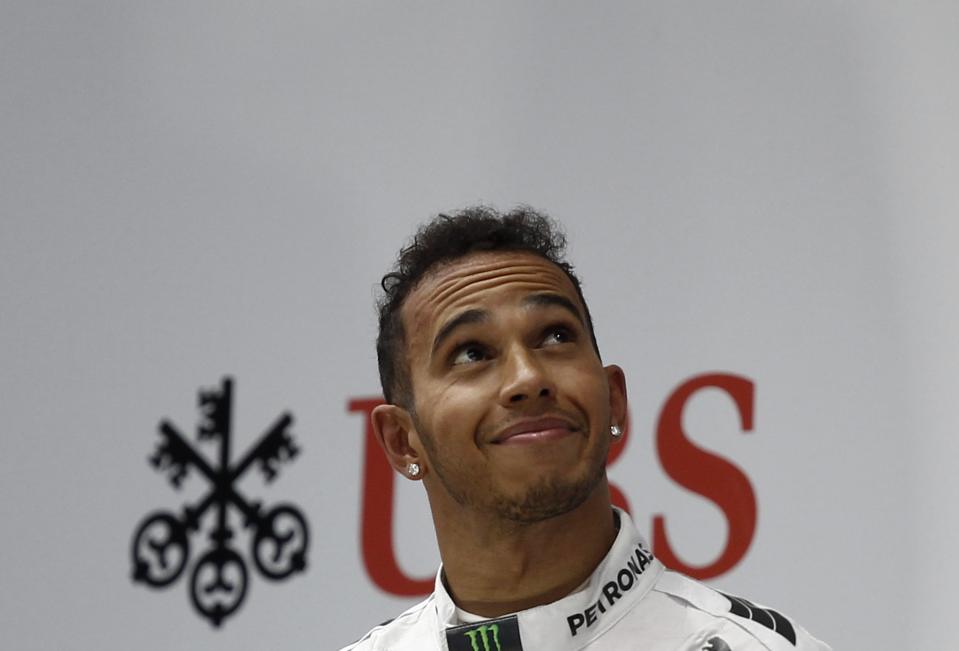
{"x": 191, "y": 190}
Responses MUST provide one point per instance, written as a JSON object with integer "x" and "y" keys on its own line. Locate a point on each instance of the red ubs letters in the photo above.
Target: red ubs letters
{"x": 703, "y": 472}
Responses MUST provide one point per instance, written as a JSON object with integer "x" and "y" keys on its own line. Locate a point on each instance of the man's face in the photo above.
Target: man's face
{"x": 512, "y": 406}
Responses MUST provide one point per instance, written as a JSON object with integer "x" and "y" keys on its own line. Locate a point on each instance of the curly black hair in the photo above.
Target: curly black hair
{"x": 445, "y": 238}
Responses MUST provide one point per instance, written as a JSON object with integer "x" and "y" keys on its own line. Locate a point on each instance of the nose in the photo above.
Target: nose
{"x": 524, "y": 379}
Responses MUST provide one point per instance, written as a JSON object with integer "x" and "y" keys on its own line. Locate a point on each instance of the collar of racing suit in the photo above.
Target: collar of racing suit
{"x": 622, "y": 579}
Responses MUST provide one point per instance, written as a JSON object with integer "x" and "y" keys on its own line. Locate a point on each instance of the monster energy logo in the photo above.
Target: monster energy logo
{"x": 482, "y": 634}
{"x": 501, "y": 634}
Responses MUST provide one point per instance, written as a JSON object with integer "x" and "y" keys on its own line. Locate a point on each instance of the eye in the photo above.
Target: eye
{"x": 558, "y": 335}
{"x": 469, "y": 354}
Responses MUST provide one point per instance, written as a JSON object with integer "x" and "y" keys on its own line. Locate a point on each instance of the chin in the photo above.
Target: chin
{"x": 548, "y": 497}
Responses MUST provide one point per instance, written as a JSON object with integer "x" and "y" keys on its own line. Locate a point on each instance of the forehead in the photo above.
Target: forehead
{"x": 480, "y": 279}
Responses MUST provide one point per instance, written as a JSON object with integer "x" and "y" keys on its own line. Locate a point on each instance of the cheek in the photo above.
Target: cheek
{"x": 457, "y": 410}
{"x": 451, "y": 416}
{"x": 587, "y": 386}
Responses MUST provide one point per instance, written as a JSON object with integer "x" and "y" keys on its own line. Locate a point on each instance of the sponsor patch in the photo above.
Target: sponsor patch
{"x": 616, "y": 588}
{"x": 768, "y": 618}
{"x": 491, "y": 635}
{"x": 716, "y": 644}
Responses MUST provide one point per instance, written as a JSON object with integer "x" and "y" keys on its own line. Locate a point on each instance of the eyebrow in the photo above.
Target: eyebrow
{"x": 549, "y": 300}
{"x": 466, "y": 318}
{"x": 470, "y": 317}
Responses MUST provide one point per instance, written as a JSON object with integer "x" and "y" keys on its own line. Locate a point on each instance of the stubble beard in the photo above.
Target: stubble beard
{"x": 548, "y": 498}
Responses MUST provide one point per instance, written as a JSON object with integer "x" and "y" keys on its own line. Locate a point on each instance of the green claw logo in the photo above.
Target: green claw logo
{"x": 482, "y": 633}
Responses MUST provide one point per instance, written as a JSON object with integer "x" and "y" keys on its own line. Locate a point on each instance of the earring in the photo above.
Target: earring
{"x": 615, "y": 432}
{"x": 413, "y": 470}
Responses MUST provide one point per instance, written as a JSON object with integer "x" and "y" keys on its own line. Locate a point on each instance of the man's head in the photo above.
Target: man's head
{"x": 443, "y": 240}
{"x": 488, "y": 357}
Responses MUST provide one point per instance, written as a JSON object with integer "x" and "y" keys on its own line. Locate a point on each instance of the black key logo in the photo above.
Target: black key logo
{"x": 279, "y": 536}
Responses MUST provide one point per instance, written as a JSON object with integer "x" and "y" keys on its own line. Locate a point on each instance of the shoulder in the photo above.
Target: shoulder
{"x": 710, "y": 609}
{"x": 413, "y": 629}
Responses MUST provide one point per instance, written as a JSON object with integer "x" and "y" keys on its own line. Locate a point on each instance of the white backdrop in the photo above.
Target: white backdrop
{"x": 191, "y": 191}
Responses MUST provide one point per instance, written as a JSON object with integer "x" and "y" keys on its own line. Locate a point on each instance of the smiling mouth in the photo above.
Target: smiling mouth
{"x": 536, "y": 431}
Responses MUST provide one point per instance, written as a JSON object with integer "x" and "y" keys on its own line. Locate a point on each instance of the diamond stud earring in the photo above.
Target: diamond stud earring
{"x": 615, "y": 432}
{"x": 413, "y": 470}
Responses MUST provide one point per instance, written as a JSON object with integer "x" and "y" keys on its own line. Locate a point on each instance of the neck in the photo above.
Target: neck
{"x": 494, "y": 568}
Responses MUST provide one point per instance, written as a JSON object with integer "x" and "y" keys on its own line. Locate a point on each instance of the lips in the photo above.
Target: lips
{"x": 535, "y": 430}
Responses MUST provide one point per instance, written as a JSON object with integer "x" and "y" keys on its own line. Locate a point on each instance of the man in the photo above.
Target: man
{"x": 498, "y": 402}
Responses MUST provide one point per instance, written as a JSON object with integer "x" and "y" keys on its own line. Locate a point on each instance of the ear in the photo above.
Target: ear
{"x": 393, "y": 426}
{"x": 618, "y": 410}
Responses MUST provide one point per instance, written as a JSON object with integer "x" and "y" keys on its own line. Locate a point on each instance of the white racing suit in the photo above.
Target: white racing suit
{"x": 631, "y": 602}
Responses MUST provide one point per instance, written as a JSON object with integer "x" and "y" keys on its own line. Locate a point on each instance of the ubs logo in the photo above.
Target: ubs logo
{"x": 279, "y": 536}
